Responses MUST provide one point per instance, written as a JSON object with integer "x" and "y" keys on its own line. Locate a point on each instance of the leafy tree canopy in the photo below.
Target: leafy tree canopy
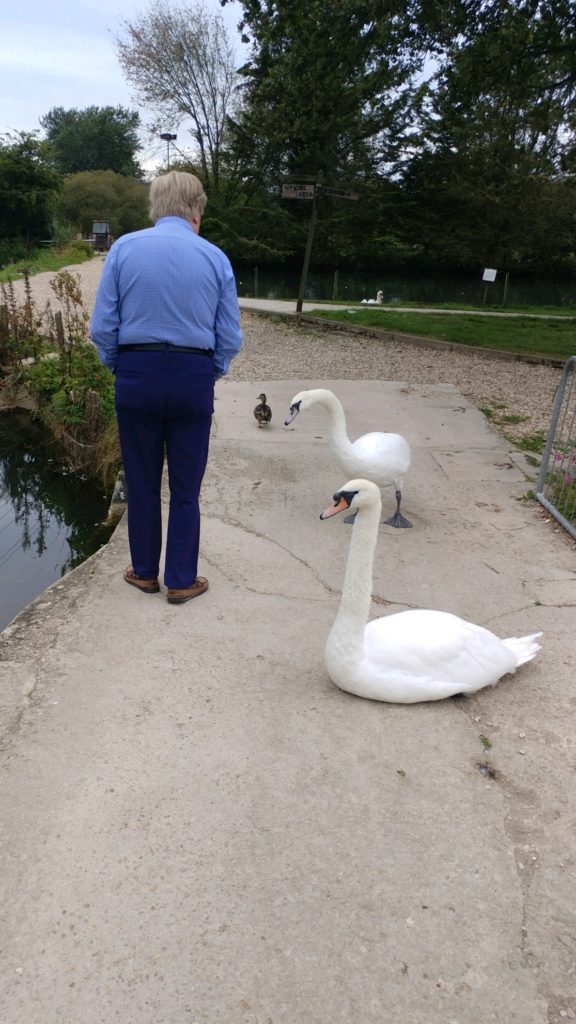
{"x": 325, "y": 85}
{"x": 486, "y": 178}
{"x": 103, "y": 196}
{"x": 94, "y": 139}
{"x": 29, "y": 187}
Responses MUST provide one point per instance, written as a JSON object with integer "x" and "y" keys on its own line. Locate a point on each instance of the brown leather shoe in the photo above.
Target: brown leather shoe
{"x": 176, "y": 596}
{"x": 145, "y": 586}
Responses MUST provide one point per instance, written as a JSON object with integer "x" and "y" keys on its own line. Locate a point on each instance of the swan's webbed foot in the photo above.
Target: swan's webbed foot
{"x": 397, "y": 519}
{"x": 399, "y": 522}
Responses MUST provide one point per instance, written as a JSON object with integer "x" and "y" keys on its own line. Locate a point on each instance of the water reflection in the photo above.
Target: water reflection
{"x": 50, "y": 519}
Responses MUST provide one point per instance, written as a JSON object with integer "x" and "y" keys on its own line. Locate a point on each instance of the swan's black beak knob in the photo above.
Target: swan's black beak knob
{"x": 294, "y": 410}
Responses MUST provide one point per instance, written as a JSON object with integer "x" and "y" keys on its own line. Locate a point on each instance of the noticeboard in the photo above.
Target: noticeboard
{"x": 297, "y": 191}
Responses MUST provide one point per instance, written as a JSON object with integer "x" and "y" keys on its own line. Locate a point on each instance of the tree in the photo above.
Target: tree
{"x": 104, "y": 196}
{"x": 182, "y": 65}
{"x": 28, "y": 188}
{"x": 325, "y": 86}
{"x": 94, "y": 139}
{"x": 488, "y": 181}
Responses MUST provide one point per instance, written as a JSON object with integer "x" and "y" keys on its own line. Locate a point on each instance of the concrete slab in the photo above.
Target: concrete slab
{"x": 198, "y": 827}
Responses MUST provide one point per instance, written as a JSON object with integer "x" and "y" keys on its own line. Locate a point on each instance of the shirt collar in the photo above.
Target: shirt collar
{"x": 175, "y": 220}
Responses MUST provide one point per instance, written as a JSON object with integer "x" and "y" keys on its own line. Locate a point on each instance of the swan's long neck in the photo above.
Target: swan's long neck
{"x": 339, "y": 437}
{"x": 347, "y": 633}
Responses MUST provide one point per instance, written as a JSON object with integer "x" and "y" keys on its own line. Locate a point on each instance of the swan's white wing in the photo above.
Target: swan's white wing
{"x": 436, "y": 649}
{"x": 383, "y": 457}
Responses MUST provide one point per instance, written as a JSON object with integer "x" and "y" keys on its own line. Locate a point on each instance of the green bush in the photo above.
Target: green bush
{"x": 78, "y": 251}
{"x": 14, "y": 250}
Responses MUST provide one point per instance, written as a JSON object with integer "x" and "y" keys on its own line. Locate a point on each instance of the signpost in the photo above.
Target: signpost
{"x": 297, "y": 191}
{"x": 311, "y": 188}
{"x": 489, "y": 276}
{"x": 340, "y": 193}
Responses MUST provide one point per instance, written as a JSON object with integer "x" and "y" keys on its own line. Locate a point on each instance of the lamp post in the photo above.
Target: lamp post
{"x": 168, "y": 138}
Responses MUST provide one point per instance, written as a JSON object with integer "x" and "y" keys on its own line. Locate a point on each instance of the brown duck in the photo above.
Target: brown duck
{"x": 262, "y": 412}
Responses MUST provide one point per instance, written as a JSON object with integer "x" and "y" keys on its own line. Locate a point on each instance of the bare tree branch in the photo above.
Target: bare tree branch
{"x": 182, "y": 66}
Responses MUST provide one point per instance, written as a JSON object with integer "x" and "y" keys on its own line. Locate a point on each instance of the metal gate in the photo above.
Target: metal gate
{"x": 556, "y": 487}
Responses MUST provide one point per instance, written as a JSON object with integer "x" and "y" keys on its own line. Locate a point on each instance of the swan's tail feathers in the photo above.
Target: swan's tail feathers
{"x": 524, "y": 647}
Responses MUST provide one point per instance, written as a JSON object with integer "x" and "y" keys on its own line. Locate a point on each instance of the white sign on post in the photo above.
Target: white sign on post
{"x": 297, "y": 191}
{"x": 489, "y": 274}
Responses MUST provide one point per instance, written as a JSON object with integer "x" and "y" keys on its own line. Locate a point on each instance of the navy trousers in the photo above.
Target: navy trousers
{"x": 164, "y": 404}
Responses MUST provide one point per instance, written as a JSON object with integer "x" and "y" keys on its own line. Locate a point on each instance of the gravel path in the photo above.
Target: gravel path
{"x": 276, "y": 348}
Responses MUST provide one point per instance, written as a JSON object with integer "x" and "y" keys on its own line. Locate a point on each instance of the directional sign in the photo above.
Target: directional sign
{"x": 339, "y": 193}
{"x": 297, "y": 191}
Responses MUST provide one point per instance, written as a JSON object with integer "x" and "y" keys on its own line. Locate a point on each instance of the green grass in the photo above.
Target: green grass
{"x": 546, "y": 337}
{"x": 45, "y": 259}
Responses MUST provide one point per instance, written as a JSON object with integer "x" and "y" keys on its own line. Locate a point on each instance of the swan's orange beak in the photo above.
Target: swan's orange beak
{"x": 340, "y": 505}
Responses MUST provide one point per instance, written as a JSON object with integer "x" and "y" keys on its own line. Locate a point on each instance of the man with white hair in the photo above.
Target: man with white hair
{"x": 166, "y": 322}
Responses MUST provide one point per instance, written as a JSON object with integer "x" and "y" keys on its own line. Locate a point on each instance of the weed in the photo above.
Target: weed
{"x": 514, "y": 418}
{"x": 532, "y": 442}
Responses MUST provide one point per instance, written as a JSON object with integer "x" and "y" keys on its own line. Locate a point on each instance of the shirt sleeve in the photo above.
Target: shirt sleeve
{"x": 227, "y": 326}
{"x": 106, "y": 314}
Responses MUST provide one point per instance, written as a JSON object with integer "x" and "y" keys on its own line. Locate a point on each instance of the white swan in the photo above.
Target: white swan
{"x": 410, "y": 656}
{"x": 379, "y": 456}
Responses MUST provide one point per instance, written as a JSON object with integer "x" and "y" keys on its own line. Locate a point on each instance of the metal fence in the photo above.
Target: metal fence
{"x": 556, "y": 487}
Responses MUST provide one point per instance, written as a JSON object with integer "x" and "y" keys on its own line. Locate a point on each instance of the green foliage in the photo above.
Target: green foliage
{"x": 28, "y": 188}
{"x": 533, "y": 442}
{"x": 74, "y": 397}
{"x": 531, "y": 336}
{"x": 323, "y": 86}
{"x": 560, "y": 483}
{"x": 104, "y": 196}
{"x": 13, "y": 250}
{"x": 37, "y": 261}
{"x": 71, "y": 391}
{"x": 496, "y": 130}
{"x": 94, "y": 139}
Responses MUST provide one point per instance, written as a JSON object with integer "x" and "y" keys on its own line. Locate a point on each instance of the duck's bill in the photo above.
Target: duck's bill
{"x": 339, "y": 506}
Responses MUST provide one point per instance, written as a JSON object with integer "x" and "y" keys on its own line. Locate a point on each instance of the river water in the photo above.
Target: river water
{"x": 283, "y": 283}
{"x": 50, "y": 519}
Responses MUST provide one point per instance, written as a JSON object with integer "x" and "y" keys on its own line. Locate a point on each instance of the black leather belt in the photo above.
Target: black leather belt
{"x": 165, "y": 346}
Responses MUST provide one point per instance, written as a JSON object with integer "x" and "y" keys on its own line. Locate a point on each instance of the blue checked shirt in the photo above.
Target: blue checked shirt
{"x": 166, "y": 283}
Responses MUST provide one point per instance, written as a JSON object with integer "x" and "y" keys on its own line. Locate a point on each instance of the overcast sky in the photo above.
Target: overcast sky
{"x": 61, "y": 53}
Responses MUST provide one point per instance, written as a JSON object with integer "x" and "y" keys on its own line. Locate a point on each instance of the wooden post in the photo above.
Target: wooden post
{"x": 311, "y": 229}
{"x": 59, "y": 329}
{"x": 4, "y": 325}
{"x": 255, "y": 282}
{"x": 505, "y": 295}
{"x": 335, "y": 288}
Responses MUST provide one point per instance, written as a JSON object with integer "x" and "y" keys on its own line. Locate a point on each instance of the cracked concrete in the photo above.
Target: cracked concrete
{"x": 196, "y": 826}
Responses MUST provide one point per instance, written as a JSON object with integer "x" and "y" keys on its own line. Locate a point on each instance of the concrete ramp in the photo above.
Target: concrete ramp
{"x": 199, "y": 828}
